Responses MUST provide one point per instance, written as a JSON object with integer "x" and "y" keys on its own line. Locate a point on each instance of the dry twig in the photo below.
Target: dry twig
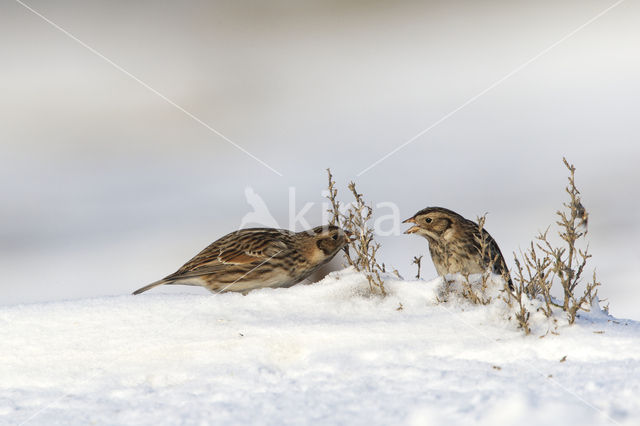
{"x": 417, "y": 260}
{"x": 564, "y": 264}
{"x": 355, "y": 220}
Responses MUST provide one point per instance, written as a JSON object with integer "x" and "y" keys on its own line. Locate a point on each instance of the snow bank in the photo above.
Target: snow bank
{"x": 324, "y": 353}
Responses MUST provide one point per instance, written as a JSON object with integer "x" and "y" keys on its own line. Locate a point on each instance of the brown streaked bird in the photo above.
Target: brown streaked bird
{"x": 454, "y": 243}
{"x": 254, "y": 258}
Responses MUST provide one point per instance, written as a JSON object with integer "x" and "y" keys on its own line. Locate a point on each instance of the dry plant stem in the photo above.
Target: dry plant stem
{"x": 397, "y": 274}
{"x": 485, "y": 253}
{"x": 335, "y": 204}
{"x": 479, "y": 295}
{"x": 355, "y": 220}
{"x": 417, "y": 260}
{"x": 522, "y": 315}
{"x": 568, "y": 263}
{"x": 563, "y": 264}
{"x": 477, "y": 298}
{"x": 541, "y": 278}
{"x": 366, "y": 248}
{"x": 538, "y": 280}
{"x": 336, "y": 215}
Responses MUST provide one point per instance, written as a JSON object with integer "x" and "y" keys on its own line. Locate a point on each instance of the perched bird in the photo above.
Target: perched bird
{"x": 258, "y": 257}
{"x": 455, "y": 243}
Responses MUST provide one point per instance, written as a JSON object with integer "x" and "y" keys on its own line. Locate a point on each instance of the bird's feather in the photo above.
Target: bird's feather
{"x": 255, "y": 258}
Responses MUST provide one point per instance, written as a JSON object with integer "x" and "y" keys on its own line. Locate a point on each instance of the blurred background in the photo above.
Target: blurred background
{"x": 106, "y": 186}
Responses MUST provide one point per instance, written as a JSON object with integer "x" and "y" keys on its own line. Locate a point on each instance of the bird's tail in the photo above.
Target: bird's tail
{"x": 173, "y": 279}
{"x": 152, "y": 285}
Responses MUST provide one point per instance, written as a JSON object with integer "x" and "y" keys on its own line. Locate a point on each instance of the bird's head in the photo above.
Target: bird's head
{"x": 329, "y": 239}
{"x": 433, "y": 223}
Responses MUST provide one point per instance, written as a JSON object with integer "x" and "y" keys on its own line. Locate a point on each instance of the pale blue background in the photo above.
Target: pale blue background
{"x": 106, "y": 187}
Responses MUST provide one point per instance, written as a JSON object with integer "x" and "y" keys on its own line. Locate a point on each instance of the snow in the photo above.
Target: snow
{"x": 328, "y": 353}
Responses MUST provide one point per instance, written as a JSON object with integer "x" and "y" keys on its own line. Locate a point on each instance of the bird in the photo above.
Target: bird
{"x": 254, "y": 258}
{"x": 455, "y": 243}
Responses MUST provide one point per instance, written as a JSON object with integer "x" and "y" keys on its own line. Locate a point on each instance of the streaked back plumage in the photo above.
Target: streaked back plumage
{"x": 257, "y": 257}
{"x": 454, "y": 243}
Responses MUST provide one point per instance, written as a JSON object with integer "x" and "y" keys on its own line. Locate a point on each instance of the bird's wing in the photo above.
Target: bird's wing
{"x": 250, "y": 253}
{"x": 254, "y": 245}
{"x": 494, "y": 257}
{"x": 247, "y": 247}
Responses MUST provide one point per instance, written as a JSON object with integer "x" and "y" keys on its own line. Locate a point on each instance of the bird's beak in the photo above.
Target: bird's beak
{"x": 412, "y": 230}
{"x": 350, "y": 235}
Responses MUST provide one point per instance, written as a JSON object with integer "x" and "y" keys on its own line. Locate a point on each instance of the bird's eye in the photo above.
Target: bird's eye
{"x": 334, "y": 237}
{"x": 428, "y": 220}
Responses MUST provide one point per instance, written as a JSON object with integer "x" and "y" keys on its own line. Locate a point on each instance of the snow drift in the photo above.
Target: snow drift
{"x": 326, "y": 353}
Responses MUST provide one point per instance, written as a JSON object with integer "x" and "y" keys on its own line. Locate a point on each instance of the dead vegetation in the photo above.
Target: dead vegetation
{"x": 545, "y": 266}
{"x": 478, "y": 295}
{"x": 475, "y": 288}
{"x": 417, "y": 260}
{"x": 355, "y": 219}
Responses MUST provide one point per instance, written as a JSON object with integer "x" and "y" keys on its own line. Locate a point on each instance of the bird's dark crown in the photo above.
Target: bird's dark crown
{"x": 332, "y": 233}
{"x": 435, "y": 223}
{"x": 322, "y": 229}
{"x": 441, "y": 210}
